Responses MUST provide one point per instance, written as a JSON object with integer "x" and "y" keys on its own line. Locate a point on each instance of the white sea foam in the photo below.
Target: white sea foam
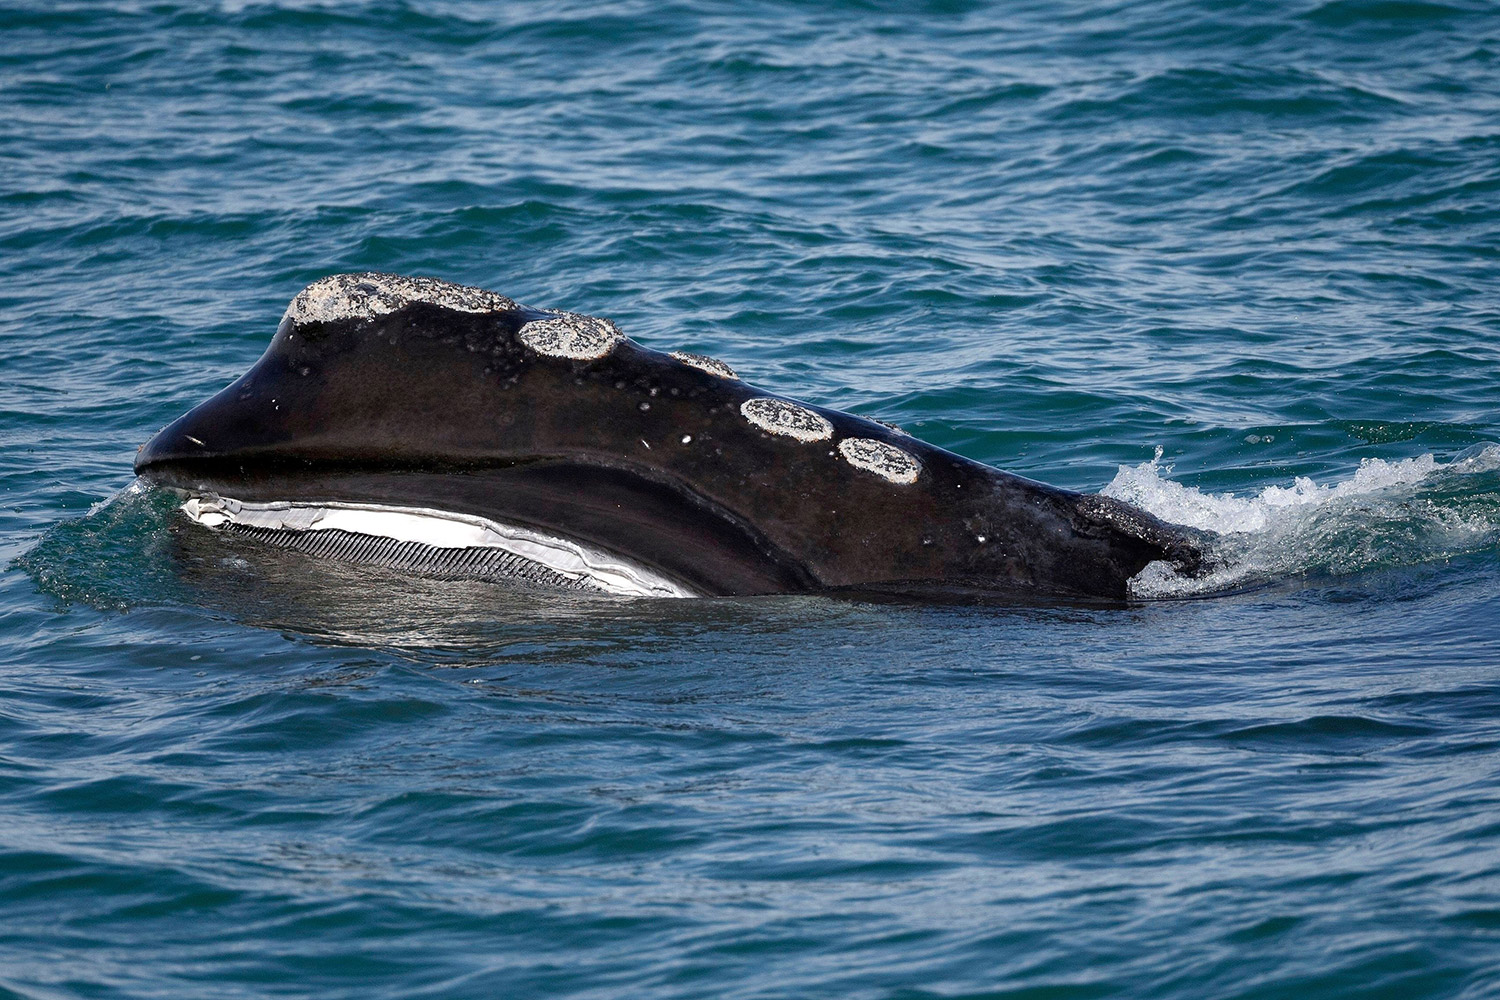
{"x": 1386, "y": 514}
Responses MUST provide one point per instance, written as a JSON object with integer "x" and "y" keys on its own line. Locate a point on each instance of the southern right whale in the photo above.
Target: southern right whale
{"x": 447, "y": 429}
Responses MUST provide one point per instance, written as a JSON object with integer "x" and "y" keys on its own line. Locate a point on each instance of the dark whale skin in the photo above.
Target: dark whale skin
{"x": 415, "y": 402}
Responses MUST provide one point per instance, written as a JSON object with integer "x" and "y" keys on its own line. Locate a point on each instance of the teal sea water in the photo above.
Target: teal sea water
{"x": 1236, "y": 262}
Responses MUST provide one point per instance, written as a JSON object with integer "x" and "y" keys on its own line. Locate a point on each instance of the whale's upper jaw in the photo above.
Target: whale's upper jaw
{"x": 457, "y": 395}
{"x": 323, "y": 375}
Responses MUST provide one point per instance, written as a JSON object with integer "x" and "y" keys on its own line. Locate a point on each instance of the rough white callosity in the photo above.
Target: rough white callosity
{"x": 777, "y": 416}
{"x": 895, "y": 427}
{"x": 885, "y": 460}
{"x": 706, "y": 364}
{"x": 572, "y": 336}
{"x": 371, "y": 294}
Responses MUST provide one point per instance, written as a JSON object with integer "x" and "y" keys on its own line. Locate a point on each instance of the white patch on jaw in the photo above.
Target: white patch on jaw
{"x": 883, "y": 459}
{"x": 704, "y": 363}
{"x": 441, "y": 529}
{"x": 572, "y": 336}
{"x": 371, "y": 294}
{"x": 777, "y": 416}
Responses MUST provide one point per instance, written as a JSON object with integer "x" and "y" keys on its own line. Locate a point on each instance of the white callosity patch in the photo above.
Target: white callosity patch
{"x": 885, "y": 460}
{"x": 443, "y": 530}
{"x": 777, "y": 416}
{"x": 572, "y": 336}
{"x": 371, "y": 294}
{"x": 1385, "y": 514}
{"x": 890, "y": 426}
{"x": 704, "y": 363}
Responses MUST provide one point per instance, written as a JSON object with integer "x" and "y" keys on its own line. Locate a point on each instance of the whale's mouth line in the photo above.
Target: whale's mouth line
{"x": 431, "y": 542}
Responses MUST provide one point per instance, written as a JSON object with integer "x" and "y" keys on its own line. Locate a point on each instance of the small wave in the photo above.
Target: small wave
{"x": 1355, "y": 13}
{"x": 1389, "y": 513}
{"x": 111, "y": 557}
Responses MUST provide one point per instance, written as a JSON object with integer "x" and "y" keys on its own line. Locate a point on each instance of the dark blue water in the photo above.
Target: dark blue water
{"x": 1235, "y": 262}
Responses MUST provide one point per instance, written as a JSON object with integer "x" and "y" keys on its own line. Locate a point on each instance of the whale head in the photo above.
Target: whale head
{"x": 387, "y": 393}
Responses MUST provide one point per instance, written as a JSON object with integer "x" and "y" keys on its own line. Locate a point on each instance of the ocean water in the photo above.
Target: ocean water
{"x": 1236, "y": 262}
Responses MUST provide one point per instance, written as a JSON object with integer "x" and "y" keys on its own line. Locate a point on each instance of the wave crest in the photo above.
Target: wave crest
{"x": 1388, "y": 513}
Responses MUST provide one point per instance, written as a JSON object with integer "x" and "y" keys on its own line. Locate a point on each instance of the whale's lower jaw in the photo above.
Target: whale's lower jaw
{"x": 436, "y": 543}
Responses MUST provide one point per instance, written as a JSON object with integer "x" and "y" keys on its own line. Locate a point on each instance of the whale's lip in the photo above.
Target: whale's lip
{"x": 417, "y": 538}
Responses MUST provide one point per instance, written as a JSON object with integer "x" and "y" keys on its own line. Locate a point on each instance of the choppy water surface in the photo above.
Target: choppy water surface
{"x": 1234, "y": 262}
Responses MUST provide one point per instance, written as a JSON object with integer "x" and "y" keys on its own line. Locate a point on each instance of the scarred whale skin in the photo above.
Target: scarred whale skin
{"x": 420, "y": 393}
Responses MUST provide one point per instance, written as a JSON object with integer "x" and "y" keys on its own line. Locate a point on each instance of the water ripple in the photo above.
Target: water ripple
{"x": 1254, "y": 241}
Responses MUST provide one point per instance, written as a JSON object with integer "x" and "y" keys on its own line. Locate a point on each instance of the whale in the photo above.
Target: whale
{"x": 436, "y": 428}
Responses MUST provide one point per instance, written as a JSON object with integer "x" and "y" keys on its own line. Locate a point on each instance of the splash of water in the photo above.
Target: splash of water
{"x": 1386, "y": 514}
